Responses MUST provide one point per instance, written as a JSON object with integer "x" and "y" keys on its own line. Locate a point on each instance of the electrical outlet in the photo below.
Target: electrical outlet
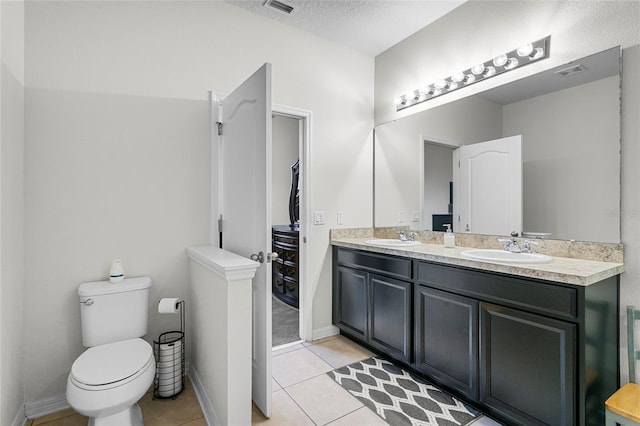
{"x": 400, "y": 217}
{"x": 318, "y": 217}
{"x": 415, "y": 216}
{"x": 340, "y": 218}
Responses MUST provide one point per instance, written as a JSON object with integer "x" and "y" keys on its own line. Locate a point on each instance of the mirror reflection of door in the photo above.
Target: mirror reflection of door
{"x": 489, "y": 187}
{"x": 476, "y": 188}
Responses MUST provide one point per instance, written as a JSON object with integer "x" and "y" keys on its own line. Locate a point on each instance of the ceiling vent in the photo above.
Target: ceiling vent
{"x": 572, "y": 70}
{"x": 280, "y": 6}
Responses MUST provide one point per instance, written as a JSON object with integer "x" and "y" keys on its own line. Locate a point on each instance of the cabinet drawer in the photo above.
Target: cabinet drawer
{"x": 510, "y": 291}
{"x": 382, "y": 264}
{"x": 286, "y": 243}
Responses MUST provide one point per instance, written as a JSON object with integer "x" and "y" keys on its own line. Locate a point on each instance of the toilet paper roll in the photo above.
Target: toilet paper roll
{"x": 168, "y": 305}
{"x": 169, "y": 369}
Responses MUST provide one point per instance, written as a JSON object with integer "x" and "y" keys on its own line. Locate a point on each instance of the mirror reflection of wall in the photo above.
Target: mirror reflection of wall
{"x": 571, "y": 148}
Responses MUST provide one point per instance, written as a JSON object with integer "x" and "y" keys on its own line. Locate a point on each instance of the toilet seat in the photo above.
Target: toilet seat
{"x": 111, "y": 365}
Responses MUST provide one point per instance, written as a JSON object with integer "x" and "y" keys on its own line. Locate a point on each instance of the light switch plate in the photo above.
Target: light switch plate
{"x": 340, "y": 218}
{"x": 318, "y": 217}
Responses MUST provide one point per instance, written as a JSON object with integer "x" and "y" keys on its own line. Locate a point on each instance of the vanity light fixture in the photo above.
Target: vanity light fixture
{"x": 523, "y": 55}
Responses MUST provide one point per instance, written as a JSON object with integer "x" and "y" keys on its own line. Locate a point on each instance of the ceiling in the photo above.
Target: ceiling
{"x": 370, "y": 26}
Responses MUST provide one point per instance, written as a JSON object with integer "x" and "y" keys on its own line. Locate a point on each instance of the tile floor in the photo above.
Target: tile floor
{"x": 303, "y": 394}
{"x": 183, "y": 411}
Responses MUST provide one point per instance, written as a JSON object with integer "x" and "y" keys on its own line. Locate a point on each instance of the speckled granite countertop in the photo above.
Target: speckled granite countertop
{"x": 563, "y": 270}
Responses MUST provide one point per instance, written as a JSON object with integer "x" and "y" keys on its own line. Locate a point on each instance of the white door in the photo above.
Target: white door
{"x": 490, "y": 187}
{"x": 246, "y": 207}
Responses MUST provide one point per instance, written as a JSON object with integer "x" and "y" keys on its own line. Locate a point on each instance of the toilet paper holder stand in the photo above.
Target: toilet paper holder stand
{"x": 169, "y": 352}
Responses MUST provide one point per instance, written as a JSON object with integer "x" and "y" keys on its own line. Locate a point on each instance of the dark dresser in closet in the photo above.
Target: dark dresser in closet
{"x": 285, "y": 267}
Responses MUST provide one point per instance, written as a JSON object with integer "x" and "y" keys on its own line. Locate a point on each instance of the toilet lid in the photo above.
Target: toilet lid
{"x": 112, "y": 362}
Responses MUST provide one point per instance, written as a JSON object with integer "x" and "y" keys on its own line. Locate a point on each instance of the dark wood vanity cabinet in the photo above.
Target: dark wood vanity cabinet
{"x": 526, "y": 351}
{"x": 285, "y": 280}
{"x": 372, "y": 304}
{"x": 447, "y": 339}
{"x": 528, "y": 366}
{"x": 350, "y": 310}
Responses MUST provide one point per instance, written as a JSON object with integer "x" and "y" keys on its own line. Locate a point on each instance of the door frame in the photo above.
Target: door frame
{"x": 425, "y": 139}
{"x": 304, "y": 152}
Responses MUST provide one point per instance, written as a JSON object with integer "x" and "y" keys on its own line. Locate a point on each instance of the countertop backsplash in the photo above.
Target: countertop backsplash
{"x": 602, "y": 252}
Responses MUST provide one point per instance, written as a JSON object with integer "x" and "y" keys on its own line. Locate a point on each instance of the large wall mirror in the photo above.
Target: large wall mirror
{"x": 568, "y": 119}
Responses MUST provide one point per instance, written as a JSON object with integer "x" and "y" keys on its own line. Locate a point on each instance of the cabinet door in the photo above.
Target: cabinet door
{"x": 390, "y": 324}
{"x": 350, "y": 302}
{"x": 447, "y": 339}
{"x": 527, "y": 369}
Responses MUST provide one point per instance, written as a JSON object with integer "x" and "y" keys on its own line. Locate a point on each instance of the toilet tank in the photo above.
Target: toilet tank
{"x": 111, "y": 312}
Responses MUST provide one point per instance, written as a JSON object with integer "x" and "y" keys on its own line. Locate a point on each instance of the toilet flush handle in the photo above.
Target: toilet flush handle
{"x": 87, "y": 302}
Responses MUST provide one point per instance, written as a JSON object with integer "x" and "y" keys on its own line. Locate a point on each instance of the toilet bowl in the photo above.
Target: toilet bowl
{"x": 107, "y": 381}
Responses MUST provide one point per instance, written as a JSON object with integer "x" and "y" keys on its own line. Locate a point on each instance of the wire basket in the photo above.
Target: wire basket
{"x": 169, "y": 353}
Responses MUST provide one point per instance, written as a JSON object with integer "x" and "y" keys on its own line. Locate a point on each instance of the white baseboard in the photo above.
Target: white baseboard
{"x": 46, "y": 406}
{"x": 210, "y": 415}
{"x": 21, "y": 417}
{"x": 321, "y": 333}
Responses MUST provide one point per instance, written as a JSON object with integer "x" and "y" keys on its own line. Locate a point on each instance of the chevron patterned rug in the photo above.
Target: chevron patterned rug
{"x": 401, "y": 398}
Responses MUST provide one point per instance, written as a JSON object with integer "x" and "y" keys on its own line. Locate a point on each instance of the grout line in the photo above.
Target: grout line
{"x": 298, "y": 405}
{"x": 351, "y": 412}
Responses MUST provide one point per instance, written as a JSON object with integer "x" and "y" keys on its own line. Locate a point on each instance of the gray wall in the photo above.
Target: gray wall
{"x": 11, "y": 209}
{"x": 118, "y": 149}
{"x": 571, "y": 140}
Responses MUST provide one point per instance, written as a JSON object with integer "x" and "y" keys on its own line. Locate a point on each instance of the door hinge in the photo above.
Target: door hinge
{"x": 220, "y": 224}
{"x": 219, "y": 124}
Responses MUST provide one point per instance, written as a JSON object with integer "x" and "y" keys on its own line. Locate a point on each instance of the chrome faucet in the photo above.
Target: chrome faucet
{"x": 526, "y": 246}
{"x": 407, "y": 235}
{"x": 510, "y": 244}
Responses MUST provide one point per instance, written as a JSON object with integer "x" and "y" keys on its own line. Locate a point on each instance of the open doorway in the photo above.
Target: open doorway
{"x": 292, "y": 117}
{"x": 437, "y": 186}
{"x": 286, "y": 241}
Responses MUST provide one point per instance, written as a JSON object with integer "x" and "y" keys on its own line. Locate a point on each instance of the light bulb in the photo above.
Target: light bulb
{"x": 525, "y": 49}
{"x": 400, "y": 101}
{"x": 469, "y": 78}
{"x": 489, "y": 72}
{"x": 511, "y": 64}
{"x": 440, "y": 84}
{"x": 457, "y": 77}
{"x": 500, "y": 60}
{"x": 537, "y": 53}
{"x": 477, "y": 69}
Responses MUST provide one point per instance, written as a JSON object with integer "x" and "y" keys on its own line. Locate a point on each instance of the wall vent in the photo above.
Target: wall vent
{"x": 572, "y": 70}
{"x": 280, "y": 6}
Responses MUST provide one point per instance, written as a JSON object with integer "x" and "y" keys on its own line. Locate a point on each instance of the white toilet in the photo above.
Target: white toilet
{"x": 108, "y": 379}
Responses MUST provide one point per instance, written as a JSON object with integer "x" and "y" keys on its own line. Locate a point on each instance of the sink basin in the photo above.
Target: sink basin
{"x": 392, "y": 243}
{"x": 505, "y": 256}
